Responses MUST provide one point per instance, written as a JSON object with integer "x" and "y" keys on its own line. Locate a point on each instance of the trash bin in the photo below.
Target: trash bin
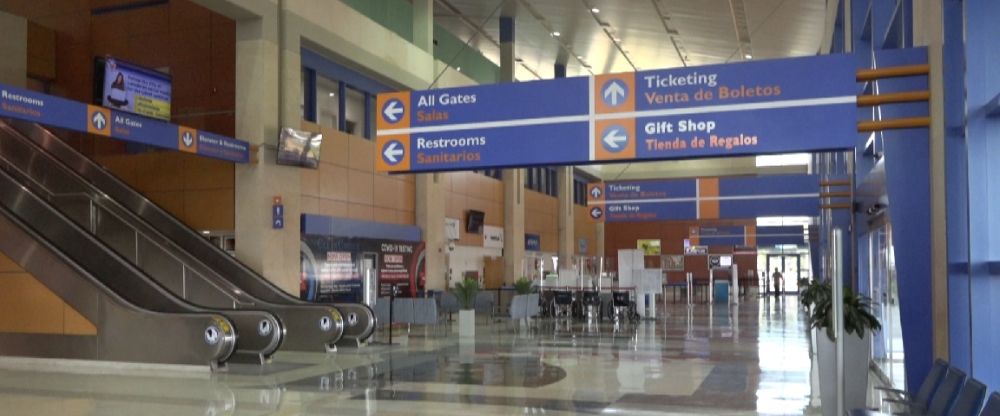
{"x": 721, "y": 290}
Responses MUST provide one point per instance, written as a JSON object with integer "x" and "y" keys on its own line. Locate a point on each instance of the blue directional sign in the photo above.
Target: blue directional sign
{"x": 393, "y": 110}
{"x": 744, "y": 108}
{"x": 613, "y": 138}
{"x": 392, "y": 152}
{"x": 277, "y": 216}
{"x": 614, "y": 93}
{"x": 59, "y": 112}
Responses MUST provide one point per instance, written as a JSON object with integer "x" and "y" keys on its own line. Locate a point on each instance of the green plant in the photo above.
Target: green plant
{"x": 522, "y": 286}
{"x": 818, "y": 296}
{"x": 466, "y": 292}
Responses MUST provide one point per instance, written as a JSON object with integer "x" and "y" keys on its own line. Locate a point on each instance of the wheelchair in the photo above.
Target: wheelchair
{"x": 562, "y": 304}
{"x": 622, "y": 308}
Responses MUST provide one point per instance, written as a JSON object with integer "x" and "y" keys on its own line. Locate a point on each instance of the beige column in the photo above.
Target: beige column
{"x": 928, "y": 30}
{"x": 430, "y": 210}
{"x": 14, "y": 50}
{"x": 599, "y": 236}
{"x": 513, "y": 224}
{"x": 567, "y": 241}
{"x": 423, "y": 24}
{"x": 273, "y": 253}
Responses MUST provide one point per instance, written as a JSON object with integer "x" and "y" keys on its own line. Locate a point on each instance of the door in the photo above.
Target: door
{"x": 790, "y": 266}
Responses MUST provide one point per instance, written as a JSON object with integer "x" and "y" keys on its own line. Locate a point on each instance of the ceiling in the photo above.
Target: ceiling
{"x": 629, "y": 35}
{"x": 606, "y": 36}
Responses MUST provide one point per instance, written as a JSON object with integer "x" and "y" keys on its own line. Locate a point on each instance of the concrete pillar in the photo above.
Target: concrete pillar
{"x": 14, "y": 50}
{"x": 273, "y": 253}
{"x": 564, "y": 181}
{"x": 513, "y": 179}
{"x": 430, "y": 210}
{"x": 599, "y": 236}
{"x": 423, "y": 24}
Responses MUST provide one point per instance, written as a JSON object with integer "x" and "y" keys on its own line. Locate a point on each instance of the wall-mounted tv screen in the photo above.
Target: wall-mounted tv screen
{"x": 299, "y": 148}
{"x": 474, "y": 222}
{"x": 128, "y": 87}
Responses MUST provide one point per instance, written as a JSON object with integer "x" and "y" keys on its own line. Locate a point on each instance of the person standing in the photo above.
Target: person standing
{"x": 777, "y": 278}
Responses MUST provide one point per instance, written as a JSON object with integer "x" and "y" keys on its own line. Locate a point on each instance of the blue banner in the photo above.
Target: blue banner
{"x": 72, "y": 115}
{"x": 758, "y": 107}
{"x": 532, "y": 242}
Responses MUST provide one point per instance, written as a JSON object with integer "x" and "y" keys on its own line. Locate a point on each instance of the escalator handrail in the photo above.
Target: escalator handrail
{"x": 187, "y": 239}
{"x": 156, "y": 239}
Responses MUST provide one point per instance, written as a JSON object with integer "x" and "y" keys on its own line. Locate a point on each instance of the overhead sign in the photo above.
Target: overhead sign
{"x": 771, "y": 106}
{"x": 704, "y": 198}
{"x": 135, "y": 89}
{"x": 59, "y": 112}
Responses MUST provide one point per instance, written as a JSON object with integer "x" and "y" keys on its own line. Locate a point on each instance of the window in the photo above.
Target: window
{"x": 579, "y": 192}
{"x": 542, "y": 180}
{"x": 327, "y": 102}
{"x": 354, "y": 113}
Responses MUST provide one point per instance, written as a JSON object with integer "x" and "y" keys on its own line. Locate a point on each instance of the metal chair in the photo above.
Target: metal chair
{"x": 970, "y": 399}
{"x": 944, "y": 397}
{"x": 921, "y": 401}
{"x": 992, "y": 406}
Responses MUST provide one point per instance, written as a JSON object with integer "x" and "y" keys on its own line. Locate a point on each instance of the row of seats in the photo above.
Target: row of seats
{"x": 417, "y": 311}
{"x": 946, "y": 391}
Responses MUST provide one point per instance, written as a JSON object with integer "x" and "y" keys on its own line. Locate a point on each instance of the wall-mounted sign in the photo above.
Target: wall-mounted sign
{"x": 452, "y": 226}
{"x": 277, "y": 213}
{"x": 581, "y": 247}
{"x": 135, "y": 89}
{"x": 59, "y": 112}
{"x": 332, "y": 267}
{"x": 764, "y": 106}
{"x": 532, "y": 242}
{"x": 649, "y": 247}
{"x": 672, "y": 262}
{"x": 695, "y": 250}
{"x": 492, "y": 237}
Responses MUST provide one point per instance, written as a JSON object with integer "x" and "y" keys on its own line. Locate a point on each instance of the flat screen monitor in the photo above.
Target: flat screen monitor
{"x": 725, "y": 261}
{"x": 132, "y": 88}
{"x": 299, "y": 148}
{"x": 474, "y": 222}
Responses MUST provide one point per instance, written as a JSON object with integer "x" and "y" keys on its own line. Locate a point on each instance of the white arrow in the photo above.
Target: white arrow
{"x": 613, "y": 139}
{"x": 392, "y": 111}
{"x": 616, "y": 91}
{"x": 596, "y": 213}
{"x": 99, "y": 120}
{"x": 596, "y": 192}
{"x": 392, "y": 152}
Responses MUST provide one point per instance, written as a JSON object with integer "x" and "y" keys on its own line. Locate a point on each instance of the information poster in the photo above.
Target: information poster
{"x": 649, "y": 247}
{"x": 332, "y": 267}
{"x": 136, "y": 90}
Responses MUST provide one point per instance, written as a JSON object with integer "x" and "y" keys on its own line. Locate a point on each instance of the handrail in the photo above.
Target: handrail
{"x": 892, "y": 72}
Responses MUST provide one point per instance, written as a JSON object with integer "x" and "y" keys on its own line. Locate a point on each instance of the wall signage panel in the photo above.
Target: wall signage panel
{"x": 771, "y": 106}
{"x": 68, "y": 114}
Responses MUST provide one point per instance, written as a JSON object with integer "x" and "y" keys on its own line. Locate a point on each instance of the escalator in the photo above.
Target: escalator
{"x": 136, "y": 320}
{"x": 298, "y": 327}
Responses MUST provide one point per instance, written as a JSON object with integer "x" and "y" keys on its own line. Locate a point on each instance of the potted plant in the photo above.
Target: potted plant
{"x": 523, "y": 286}
{"x": 466, "y": 292}
{"x": 858, "y": 324}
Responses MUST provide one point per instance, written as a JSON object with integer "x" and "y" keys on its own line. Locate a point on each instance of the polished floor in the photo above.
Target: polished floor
{"x": 743, "y": 360}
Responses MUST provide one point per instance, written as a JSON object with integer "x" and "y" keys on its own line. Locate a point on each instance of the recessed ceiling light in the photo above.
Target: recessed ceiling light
{"x": 459, "y": 69}
{"x": 748, "y": 56}
{"x": 595, "y": 10}
{"x": 333, "y": 94}
{"x": 206, "y": 232}
{"x": 556, "y": 34}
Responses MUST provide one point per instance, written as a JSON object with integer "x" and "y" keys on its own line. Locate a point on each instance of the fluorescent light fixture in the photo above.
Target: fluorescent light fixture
{"x": 333, "y": 94}
{"x": 206, "y": 232}
{"x": 790, "y": 159}
{"x": 784, "y": 221}
{"x": 556, "y": 34}
{"x": 748, "y": 56}
{"x": 595, "y": 10}
{"x": 459, "y": 69}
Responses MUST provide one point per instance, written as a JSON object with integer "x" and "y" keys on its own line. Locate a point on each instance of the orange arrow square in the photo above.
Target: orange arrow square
{"x": 614, "y": 139}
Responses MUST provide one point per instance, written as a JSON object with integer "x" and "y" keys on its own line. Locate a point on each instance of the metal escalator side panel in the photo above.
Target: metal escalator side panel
{"x": 117, "y": 273}
{"x": 125, "y": 332}
{"x": 172, "y": 228}
{"x": 161, "y": 258}
{"x": 359, "y": 321}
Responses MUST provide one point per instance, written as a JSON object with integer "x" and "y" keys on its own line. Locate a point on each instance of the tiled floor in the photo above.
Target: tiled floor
{"x": 751, "y": 359}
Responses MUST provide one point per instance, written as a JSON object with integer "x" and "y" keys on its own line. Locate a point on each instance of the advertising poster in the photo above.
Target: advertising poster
{"x": 136, "y": 90}
{"x": 673, "y": 262}
{"x": 648, "y": 247}
{"x": 332, "y": 267}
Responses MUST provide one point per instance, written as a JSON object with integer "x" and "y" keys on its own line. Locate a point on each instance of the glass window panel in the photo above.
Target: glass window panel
{"x": 327, "y": 102}
{"x": 354, "y": 112}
